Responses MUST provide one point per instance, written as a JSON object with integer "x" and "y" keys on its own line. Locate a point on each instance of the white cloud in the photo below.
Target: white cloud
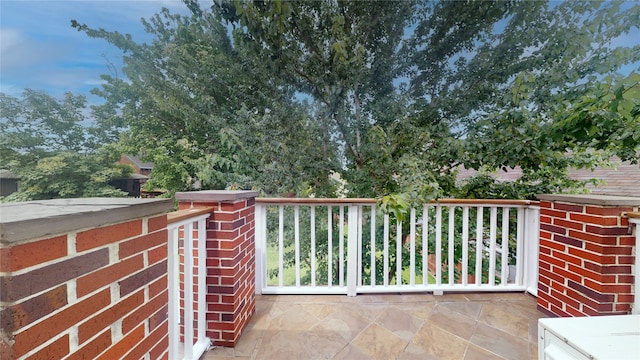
{"x": 19, "y": 53}
{"x": 40, "y": 50}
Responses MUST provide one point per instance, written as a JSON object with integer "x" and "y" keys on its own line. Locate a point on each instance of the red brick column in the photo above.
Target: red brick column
{"x": 230, "y": 260}
{"x": 586, "y": 255}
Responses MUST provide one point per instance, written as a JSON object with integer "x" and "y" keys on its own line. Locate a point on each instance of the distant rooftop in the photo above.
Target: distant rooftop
{"x": 6, "y": 174}
{"x": 139, "y": 163}
{"x": 623, "y": 179}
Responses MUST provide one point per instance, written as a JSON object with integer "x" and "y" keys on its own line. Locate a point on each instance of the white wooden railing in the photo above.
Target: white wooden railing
{"x": 347, "y": 246}
{"x": 187, "y": 236}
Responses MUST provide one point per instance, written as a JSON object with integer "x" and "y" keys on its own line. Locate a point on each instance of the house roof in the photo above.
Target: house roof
{"x": 139, "y": 163}
{"x": 6, "y": 174}
{"x": 623, "y": 179}
{"x": 133, "y": 176}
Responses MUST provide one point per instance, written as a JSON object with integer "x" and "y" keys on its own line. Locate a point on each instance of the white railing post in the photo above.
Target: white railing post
{"x": 174, "y": 292}
{"x": 531, "y": 242}
{"x": 203, "y": 343}
{"x": 352, "y": 251}
{"x": 188, "y": 290}
{"x": 191, "y": 350}
{"x": 261, "y": 246}
{"x": 636, "y": 275}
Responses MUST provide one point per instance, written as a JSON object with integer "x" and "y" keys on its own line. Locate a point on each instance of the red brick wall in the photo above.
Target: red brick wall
{"x": 586, "y": 257}
{"x": 98, "y": 293}
{"x": 230, "y": 261}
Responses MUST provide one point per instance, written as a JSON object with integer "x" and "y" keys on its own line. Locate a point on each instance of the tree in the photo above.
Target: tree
{"x": 43, "y": 141}
{"x": 402, "y": 93}
{"x": 538, "y": 89}
{"x": 343, "y": 54}
{"x": 208, "y": 114}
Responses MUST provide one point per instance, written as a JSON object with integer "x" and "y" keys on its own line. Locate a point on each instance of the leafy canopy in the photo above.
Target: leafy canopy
{"x": 44, "y": 142}
{"x": 395, "y": 95}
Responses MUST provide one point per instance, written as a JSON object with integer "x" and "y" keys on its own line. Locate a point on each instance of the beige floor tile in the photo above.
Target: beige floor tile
{"x": 387, "y": 326}
{"x": 477, "y": 353}
{"x": 400, "y": 323}
{"x": 501, "y": 343}
{"x": 417, "y": 298}
{"x": 414, "y": 352}
{"x": 220, "y": 352}
{"x": 451, "y": 321}
{"x": 321, "y": 344}
{"x": 503, "y": 318}
{"x": 492, "y": 296}
{"x": 320, "y": 311}
{"x": 379, "y": 343}
{"x": 470, "y": 309}
{"x": 312, "y": 344}
{"x": 370, "y": 311}
{"x": 527, "y": 308}
{"x": 352, "y": 352}
{"x": 439, "y": 343}
{"x": 451, "y": 297}
{"x": 248, "y": 342}
{"x": 295, "y": 319}
{"x": 419, "y": 310}
{"x": 348, "y": 324}
{"x": 533, "y": 351}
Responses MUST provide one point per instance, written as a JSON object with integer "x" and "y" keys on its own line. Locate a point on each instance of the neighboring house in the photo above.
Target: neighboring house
{"x": 142, "y": 168}
{"x": 8, "y": 182}
{"x": 623, "y": 179}
{"x": 131, "y": 185}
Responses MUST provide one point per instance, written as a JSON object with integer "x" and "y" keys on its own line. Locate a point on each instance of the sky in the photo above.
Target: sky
{"x": 40, "y": 50}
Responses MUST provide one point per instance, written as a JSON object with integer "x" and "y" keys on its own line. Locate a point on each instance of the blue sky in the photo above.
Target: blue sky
{"x": 40, "y": 50}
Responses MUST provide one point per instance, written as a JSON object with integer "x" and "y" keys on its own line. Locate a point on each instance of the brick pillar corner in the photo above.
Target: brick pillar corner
{"x": 230, "y": 260}
{"x": 586, "y": 255}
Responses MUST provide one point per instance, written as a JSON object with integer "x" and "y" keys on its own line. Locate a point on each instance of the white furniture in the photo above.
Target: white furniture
{"x": 597, "y": 337}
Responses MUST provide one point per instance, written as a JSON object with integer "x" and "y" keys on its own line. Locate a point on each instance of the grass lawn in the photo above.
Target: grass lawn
{"x": 289, "y": 273}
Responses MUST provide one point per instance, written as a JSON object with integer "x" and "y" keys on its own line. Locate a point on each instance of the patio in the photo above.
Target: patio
{"x": 389, "y": 326}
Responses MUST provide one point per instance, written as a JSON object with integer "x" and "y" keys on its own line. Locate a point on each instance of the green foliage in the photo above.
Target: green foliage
{"x": 536, "y": 91}
{"x": 401, "y": 94}
{"x": 607, "y": 118}
{"x": 343, "y": 55}
{"x": 209, "y": 114}
{"x": 68, "y": 175}
{"x": 46, "y": 142}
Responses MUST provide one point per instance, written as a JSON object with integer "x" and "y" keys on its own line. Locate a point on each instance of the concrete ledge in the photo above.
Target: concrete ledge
{"x": 37, "y": 219}
{"x": 216, "y": 195}
{"x": 602, "y": 200}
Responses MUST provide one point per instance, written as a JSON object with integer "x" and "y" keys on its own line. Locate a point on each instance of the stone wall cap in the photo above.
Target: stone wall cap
{"x": 216, "y": 195}
{"x": 591, "y": 199}
{"x": 31, "y": 220}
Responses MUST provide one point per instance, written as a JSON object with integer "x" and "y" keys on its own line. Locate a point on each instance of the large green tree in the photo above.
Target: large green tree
{"x": 209, "y": 114}
{"x": 537, "y": 85}
{"x": 488, "y": 84}
{"x": 400, "y": 94}
{"x": 46, "y": 142}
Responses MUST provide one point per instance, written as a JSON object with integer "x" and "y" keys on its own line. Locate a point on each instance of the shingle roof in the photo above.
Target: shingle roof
{"x": 623, "y": 179}
{"x": 6, "y": 174}
{"x": 139, "y": 163}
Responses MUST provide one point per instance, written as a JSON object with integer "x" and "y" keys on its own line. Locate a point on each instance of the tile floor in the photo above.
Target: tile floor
{"x": 390, "y": 326}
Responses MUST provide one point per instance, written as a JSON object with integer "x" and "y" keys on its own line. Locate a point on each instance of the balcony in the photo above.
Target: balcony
{"x": 389, "y": 326}
{"x": 305, "y": 278}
